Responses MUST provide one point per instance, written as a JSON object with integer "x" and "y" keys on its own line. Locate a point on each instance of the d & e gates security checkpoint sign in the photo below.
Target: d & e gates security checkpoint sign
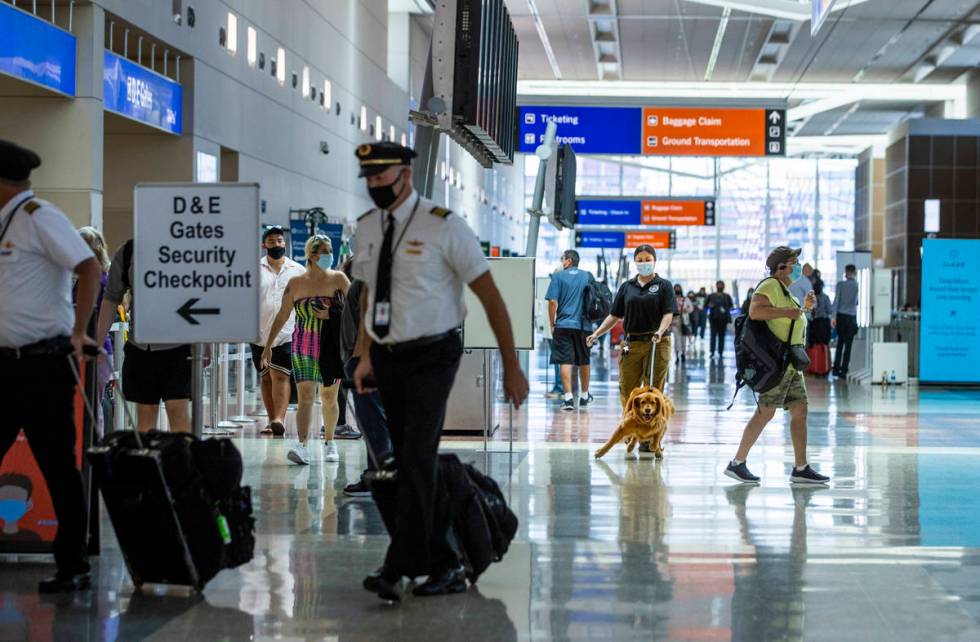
{"x": 196, "y": 263}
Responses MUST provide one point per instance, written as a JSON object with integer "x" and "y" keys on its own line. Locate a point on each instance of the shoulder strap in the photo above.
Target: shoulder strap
{"x": 10, "y": 218}
{"x": 127, "y": 263}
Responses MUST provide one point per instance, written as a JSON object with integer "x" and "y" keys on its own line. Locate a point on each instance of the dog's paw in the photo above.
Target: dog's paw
{"x": 597, "y": 454}
{"x": 659, "y": 454}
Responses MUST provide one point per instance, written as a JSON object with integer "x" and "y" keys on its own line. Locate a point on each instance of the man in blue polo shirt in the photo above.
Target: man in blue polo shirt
{"x": 569, "y": 328}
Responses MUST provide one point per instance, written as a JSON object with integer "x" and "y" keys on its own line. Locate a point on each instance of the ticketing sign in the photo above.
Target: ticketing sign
{"x": 141, "y": 94}
{"x": 663, "y": 212}
{"x": 659, "y": 131}
{"x": 620, "y": 239}
{"x": 196, "y": 262}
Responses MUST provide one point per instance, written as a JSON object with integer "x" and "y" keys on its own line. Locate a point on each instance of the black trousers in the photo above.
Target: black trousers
{"x": 37, "y": 394}
{"x": 847, "y": 328}
{"x": 414, "y": 387}
{"x": 719, "y": 328}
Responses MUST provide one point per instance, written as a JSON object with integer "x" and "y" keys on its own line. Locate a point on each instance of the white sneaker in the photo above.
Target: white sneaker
{"x": 330, "y": 452}
{"x": 298, "y": 454}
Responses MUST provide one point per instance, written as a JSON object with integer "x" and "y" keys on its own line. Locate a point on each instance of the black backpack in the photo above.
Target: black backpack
{"x": 761, "y": 358}
{"x": 597, "y": 301}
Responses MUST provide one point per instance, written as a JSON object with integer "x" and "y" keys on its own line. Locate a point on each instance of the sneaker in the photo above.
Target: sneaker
{"x": 585, "y": 402}
{"x": 807, "y": 476}
{"x": 357, "y": 489}
{"x": 330, "y": 452}
{"x": 740, "y": 473}
{"x": 346, "y": 431}
{"x": 298, "y": 454}
{"x": 554, "y": 394}
{"x": 568, "y": 405}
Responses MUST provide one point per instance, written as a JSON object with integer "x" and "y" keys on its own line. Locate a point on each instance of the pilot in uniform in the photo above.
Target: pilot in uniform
{"x": 39, "y": 332}
{"x": 414, "y": 258}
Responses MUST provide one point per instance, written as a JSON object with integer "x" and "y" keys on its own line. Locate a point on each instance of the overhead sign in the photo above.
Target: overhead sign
{"x": 949, "y": 346}
{"x": 589, "y": 130}
{"x": 820, "y": 9}
{"x": 696, "y": 131}
{"x": 143, "y": 95}
{"x": 659, "y": 131}
{"x": 196, "y": 262}
{"x": 619, "y": 239}
{"x": 36, "y": 51}
{"x": 662, "y": 212}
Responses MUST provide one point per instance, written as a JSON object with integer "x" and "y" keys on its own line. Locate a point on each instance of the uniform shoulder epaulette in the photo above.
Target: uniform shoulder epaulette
{"x": 364, "y": 215}
{"x": 32, "y": 207}
{"x": 441, "y": 212}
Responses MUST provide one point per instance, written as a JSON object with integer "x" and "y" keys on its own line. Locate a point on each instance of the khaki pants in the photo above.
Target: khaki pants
{"x": 634, "y": 367}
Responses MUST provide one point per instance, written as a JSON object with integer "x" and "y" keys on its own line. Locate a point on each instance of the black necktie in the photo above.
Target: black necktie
{"x": 383, "y": 285}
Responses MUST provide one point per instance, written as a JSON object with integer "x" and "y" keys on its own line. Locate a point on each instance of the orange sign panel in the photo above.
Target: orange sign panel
{"x": 659, "y": 239}
{"x": 695, "y": 131}
{"x": 675, "y": 213}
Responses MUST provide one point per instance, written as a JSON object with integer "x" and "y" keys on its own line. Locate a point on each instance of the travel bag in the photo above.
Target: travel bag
{"x": 819, "y": 354}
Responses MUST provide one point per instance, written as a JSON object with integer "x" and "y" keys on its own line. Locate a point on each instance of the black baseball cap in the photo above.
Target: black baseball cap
{"x": 781, "y": 255}
{"x": 16, "y": 162}
{"x": 273, "y": 229}
{"x": 375, "y": 158}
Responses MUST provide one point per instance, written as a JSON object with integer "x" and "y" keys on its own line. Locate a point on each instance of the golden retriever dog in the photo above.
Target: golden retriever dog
{"x": 644, "y": 420}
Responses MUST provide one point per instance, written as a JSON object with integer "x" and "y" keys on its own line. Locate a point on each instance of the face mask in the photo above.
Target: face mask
{"x": 276, "y": 253}
{"x": 384, "y": 195}
{"x": 12, "y": 510}
{"x": 325, "y": 261}
{"x": 645, "y": 269}
{"x": 797, "y": 272}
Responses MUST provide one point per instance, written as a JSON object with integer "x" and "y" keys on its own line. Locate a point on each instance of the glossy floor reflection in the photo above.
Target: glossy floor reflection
{"x": 617, "y": 549}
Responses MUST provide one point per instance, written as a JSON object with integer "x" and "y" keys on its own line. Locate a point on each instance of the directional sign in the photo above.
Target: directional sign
{"x": 661, "y": 212}
{"x": 703, "y": 131}
{"x": 196, "y": 262}
{"x": 619, "y": 239}
{"x": 589, "y": 130}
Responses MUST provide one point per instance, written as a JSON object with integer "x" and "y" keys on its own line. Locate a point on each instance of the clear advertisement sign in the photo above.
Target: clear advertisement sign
{"x": 949, "y": 346}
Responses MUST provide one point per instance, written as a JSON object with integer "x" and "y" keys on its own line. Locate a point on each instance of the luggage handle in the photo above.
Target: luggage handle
{"x": 96, "y": 351}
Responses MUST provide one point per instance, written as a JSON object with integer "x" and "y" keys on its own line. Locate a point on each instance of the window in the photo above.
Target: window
{"x": 251, "y": 46}
{"x": 404, "y": 140}
{"x": 378, "y": 128}
{"x": 281, "y": 65}
{"x": 364, "y": 123}
{"x": 391, "y": 133}
{"x": 231, "y": 40}
{"x": 306, "y": 81}
{"x": 327, "y": 93}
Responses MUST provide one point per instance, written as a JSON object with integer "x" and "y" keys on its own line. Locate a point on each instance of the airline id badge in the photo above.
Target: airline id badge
{"x": 382, "y": 313}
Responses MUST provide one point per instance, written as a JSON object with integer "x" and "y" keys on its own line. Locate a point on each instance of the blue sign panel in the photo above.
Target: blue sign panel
{"x": 136, "y": 92}
{"x": 608, "y": 240}
{"x": 36, "y": 51}
{"x": 950, "y": 328}
{"x": 299, "y": 232}
{"x": 589, "y": 130}
{"x": 608, "y": 212}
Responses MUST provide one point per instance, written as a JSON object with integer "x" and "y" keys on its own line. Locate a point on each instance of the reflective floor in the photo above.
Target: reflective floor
{"x": 617, "y": 549}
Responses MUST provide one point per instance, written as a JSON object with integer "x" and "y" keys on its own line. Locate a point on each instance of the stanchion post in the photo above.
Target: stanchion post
{"x": 241, "y": 417}
{"x": 118, "y": 353}
{"x": 197, "y": 389}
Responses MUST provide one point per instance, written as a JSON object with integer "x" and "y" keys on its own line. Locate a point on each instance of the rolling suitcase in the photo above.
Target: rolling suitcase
{"x": 819, "y": 354}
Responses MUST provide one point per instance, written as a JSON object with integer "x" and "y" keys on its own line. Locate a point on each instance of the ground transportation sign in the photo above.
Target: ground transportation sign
{"x": 658, "y": 131}
{"x": 662, "y": 212}
{"x": 196, "y": 262}
{"x": 620, "y": 239}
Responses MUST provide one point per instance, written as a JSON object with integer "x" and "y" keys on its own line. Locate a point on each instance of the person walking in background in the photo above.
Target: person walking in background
{"x": 703, "y": 306}
{"x": 845, "y": 311}
{"x": 821, "y": 315}
{"x": 720, "y": 315}
{"x": 569, "y": 328}
{"x": 747, "y": 302}
{"x": 803, "y": 285}
{"x": 695, "y": 319}
{"x": 681, "y": 326}
{"x": 104, "y": 364}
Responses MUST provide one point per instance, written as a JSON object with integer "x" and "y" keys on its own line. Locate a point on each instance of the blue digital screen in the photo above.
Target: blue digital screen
{"x": 141, "y": 94}
{"x": 589, "y": 130}
{"x": 949, "y": 345}
{"x": 608, "y": 212}
{"x": 608, "y": 240}
{"x": 299, "y": 232}
{"x": 36, "y": 51}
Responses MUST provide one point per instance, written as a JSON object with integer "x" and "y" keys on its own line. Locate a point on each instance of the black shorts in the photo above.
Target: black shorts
{"x": 282, "y": 359}
{"x": 150, "y": 376}
{"x": 568, "y": 347}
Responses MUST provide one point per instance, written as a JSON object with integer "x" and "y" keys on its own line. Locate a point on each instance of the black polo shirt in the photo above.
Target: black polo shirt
{"x": 642, "y": 307}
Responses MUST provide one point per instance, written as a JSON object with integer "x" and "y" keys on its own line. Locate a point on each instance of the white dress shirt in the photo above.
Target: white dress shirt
{"x": 271, "y": 287}
{"x": 37, "y": 258}
{"x": 437, "y": 256}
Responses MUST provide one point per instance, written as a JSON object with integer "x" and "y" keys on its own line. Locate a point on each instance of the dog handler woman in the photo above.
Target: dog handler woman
{"x": 646, "y": 305}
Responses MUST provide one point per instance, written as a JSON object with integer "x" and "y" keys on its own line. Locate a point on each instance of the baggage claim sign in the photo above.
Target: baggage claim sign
{"x": 196, "y": 263}
{"x": 659, "y": 131}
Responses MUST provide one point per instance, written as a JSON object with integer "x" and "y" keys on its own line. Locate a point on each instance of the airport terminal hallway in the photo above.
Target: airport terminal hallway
{"x": 616, "y": 549}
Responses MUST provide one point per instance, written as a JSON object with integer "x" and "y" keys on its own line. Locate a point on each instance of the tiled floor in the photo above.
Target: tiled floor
{"x": 617, "y": 549}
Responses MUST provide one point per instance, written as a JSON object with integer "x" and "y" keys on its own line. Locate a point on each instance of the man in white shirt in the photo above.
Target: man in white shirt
{"x": 275, "y": 270}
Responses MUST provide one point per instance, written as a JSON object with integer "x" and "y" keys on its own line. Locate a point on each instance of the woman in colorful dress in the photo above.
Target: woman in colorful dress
{"x": 316, "y": 297}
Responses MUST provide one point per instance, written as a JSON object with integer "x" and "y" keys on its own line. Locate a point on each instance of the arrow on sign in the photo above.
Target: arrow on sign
{"x": 188, "y": 310}
{"x": 774, "y": 117}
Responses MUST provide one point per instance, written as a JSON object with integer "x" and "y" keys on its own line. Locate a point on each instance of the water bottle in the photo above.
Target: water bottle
{"x": 223, "y": 529}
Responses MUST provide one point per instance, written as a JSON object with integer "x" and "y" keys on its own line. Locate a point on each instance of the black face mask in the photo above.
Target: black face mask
{"x": 384, "y": 195}
{"x": 276, "y": 253}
